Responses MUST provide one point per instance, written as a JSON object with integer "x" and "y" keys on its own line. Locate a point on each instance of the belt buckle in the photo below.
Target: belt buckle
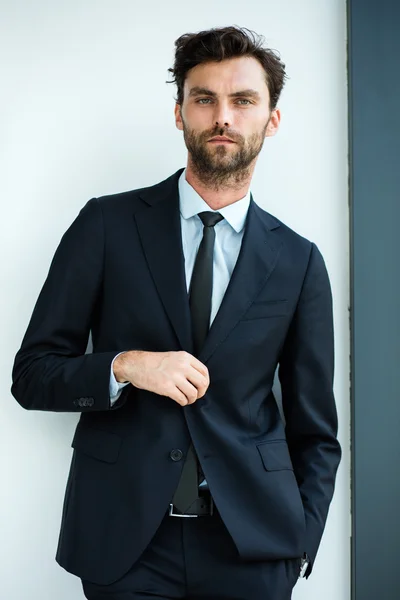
{"x": 210, "y": 514}
{"x": 172, "y": 514}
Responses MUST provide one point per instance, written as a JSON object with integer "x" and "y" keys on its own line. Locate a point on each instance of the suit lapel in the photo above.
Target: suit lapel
{"x": 257, "y": 259}
{"x": 159, "y": 228}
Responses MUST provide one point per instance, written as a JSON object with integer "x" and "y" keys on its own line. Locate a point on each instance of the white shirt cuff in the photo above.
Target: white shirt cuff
{"x": 115, "y": 387}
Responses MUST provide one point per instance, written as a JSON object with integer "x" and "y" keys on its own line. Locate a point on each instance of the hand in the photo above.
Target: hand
{"x": 177, "y": 375}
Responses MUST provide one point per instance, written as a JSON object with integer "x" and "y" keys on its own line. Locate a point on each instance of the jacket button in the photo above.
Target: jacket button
{"x": 81, "y": 402}
{"x": 176, "y": 455}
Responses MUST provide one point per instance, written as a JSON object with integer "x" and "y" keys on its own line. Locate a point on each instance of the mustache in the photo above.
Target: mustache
{"x": 222, "y": 131}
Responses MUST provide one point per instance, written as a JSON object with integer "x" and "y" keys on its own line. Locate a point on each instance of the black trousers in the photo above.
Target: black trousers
{"x": 196, "y": 559}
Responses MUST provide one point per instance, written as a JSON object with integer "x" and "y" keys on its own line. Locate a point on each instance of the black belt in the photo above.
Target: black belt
{"x": 202, "y": 507}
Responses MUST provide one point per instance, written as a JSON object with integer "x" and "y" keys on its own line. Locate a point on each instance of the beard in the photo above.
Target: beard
{"x": 218, "y": 166}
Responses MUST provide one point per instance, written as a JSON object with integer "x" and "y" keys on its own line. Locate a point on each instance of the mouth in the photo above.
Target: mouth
{"x": 221, "y": 140}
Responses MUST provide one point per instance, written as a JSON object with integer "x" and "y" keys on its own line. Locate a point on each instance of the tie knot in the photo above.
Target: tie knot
{"x": 210, "y": 219}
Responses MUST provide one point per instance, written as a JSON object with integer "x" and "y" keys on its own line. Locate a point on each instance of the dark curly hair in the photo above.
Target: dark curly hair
{"x": 218, "y": 44}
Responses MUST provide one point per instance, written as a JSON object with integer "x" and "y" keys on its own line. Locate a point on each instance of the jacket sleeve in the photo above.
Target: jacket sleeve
{"x": 51, "y": 370}
{"x": 306, "y": 375}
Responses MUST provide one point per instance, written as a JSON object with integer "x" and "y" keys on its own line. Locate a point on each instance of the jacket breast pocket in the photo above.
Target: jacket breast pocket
{"x": 266, "y": 309}
{"x": 97, "y": 443}
{"x": 275, "y": 455}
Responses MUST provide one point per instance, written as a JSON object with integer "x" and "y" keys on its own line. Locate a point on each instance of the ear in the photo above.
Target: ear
{"x": 273, "y": 124}
{"x": 178, "y": 117}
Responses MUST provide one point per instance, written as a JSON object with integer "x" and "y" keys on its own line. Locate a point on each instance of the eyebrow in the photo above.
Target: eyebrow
{"x": 202, "y": 91}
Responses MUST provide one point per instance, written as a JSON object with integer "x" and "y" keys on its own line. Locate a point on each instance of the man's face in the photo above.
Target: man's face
{"x": 227, "y": 99}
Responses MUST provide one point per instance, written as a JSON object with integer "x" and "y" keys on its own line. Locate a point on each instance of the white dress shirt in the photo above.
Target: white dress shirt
{"x": 228, "y": 240}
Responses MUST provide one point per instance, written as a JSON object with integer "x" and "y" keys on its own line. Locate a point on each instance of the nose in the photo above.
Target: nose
{"x": 223, "y": 115}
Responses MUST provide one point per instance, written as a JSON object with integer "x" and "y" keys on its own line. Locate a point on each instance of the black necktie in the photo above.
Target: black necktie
{"x": 200, "y": 296}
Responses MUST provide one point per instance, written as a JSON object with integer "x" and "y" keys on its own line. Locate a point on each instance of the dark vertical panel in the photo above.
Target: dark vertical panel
{"x": 374, "y": 111}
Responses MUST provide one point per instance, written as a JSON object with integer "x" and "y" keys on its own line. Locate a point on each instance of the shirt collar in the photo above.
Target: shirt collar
{"x": 191, "y": 203}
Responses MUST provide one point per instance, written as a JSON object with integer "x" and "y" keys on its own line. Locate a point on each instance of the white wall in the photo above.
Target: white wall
{"x": 84, "y": 111}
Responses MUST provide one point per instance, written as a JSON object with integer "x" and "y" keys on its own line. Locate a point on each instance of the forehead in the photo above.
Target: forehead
{"x": 228, "y": 76}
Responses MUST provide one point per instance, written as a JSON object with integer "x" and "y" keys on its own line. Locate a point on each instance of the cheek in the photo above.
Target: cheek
{"x": 256, "y": 128}
{"x": 247, "y": 128}
{"x": 247, "y": 123}
{"x": 197, "y": 119}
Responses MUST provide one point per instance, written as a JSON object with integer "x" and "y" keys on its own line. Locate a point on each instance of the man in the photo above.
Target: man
{"x": 185, "y": 481}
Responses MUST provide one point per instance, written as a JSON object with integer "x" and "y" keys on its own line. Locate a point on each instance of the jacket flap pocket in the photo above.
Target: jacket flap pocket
{"x": 97, "y": 443}
{"x": 275, "y": 456}
{"x": 266, "y": 309}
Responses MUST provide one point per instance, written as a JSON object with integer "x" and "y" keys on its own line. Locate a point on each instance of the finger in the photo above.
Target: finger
{"x": 199, "y": 381}
{"x": 199, "y": 366}
{"x": 189, "y": 390}
{"x": 178, "y": 396}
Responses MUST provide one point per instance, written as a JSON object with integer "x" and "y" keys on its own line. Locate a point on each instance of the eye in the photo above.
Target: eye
{"x": 203, "y": 100}
{"x": 244, "y": 100}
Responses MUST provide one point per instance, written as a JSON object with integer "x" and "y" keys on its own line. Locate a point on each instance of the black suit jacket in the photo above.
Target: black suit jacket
{"x": 119, "y": 274}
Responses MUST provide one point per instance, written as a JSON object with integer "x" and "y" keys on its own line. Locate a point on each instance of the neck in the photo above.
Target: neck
{"x": 225, "y": 194}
